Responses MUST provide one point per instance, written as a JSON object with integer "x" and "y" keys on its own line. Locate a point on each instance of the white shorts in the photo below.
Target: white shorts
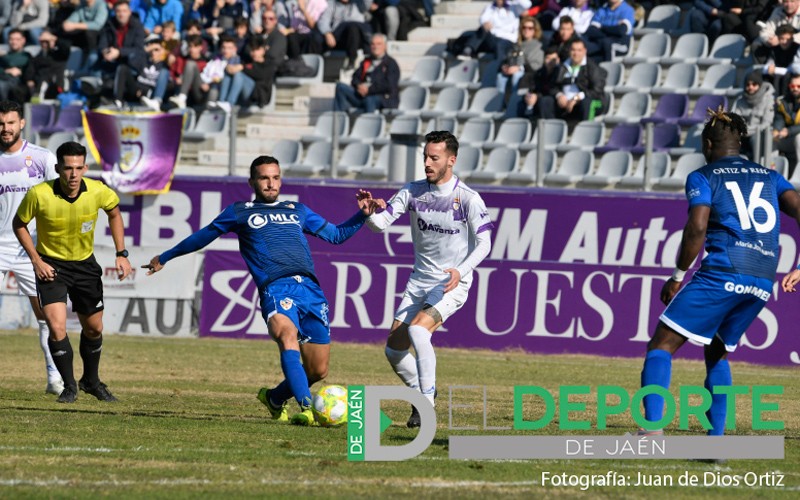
{"x": 22, "y": 268}
{"x": 418, "y": 294}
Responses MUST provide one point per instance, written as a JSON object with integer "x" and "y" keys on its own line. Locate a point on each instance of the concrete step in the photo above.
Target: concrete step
{"x": 454, "y": 21}
{"x": 276, "y": 132}
{"x": 398, "y": 49}
{"x": 465, "y": 8}
{"x": 280, "y": 119}
{"x": 220, "y": 158}
{"x": 435, "y": 35}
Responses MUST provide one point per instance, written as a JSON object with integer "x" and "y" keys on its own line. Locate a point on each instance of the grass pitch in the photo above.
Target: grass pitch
{"x": 188, "y": 424}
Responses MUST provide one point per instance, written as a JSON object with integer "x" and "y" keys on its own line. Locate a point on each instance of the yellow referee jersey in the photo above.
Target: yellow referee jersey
{"x": 66, "y": 226}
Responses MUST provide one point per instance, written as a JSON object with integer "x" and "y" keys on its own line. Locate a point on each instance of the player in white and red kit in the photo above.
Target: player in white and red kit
{"x": 450, "y": 229}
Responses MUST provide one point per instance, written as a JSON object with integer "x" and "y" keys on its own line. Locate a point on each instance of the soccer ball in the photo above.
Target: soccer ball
{"x": 330, "y": 406}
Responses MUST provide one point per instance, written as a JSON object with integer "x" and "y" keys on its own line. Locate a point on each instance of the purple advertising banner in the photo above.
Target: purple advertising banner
{"x": 569, "y": 272}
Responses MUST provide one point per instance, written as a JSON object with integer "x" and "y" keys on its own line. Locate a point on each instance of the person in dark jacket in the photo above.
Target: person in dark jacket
{"x": 375, "y": 83}
{"x": 121, "y": 42}
{"x": 44, "y": 75}
{"x": 248, "y": 82}
{"x": 579, "y": 84}
{"x": 786, "y": 125}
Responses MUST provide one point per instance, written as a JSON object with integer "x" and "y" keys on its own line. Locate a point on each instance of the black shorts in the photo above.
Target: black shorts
{"x": 82, "y": 280}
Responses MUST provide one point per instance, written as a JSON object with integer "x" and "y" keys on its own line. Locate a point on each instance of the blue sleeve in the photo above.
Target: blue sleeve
{"x": 781, "y": 184}
{"x": 224, "y": 223}
{"x": 698, "y": 190}
{"x": 317, "y": 226}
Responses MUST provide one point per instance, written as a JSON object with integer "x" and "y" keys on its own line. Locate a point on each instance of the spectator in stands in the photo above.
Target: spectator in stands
{"x": 579, "y": 13}
{"x": 579, "y": 87}
{"x": 524, "y": 59}
{"x": 757, "y": 106}
{"x": 83, "y": 27}
{"x": 715, "y": 17}
{"x": 385, "y": 17}
{"x": 121, "y": 41}
{"x": 44, "y": 75}
{"x": 545, "y": 10}
{"x": 147, "y": 85}
{"x": 343, "y": 24}
{"x": 199, "y": 11}
{"x": 5, "y": 13}
{"x": 498, "y": 32}
{"x": 544, "y": 82}
{"x": 563, "y": 38}
{"x": 787, "y": 13}
{"x": 786, "y": 126}
{"x": 297, "y": 20}
{"x": 161, "y": 11}
{"x": 610, "y": 31}
{"x": 214, "y": 71}
{"x": 413, "y": 14}
{"x": 783, "y": 58}
{"x": 241, "y": 36}
{"x": 375, "y": 82}
{"x": 754, "y": 12}
{"x": 253, "y": 81}
{"x": 274, "y": 40}
{"x": 226, "y": 12}
{"x": 30, "y": 17}
{"x": 139, "y": 9}
{"x": 12, "y": 66}
{"x": 186, "y": 73}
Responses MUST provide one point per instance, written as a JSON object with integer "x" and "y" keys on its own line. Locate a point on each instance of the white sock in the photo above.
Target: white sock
{"x": 426, "y": 360}
{"x": 52, "y": 372}
{"x": 404, "y": 365}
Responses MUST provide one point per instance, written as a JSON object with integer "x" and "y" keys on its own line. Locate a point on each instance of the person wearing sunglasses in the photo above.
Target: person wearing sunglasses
{"x": 757, "y": 106}
{"x": 786, "y": 126}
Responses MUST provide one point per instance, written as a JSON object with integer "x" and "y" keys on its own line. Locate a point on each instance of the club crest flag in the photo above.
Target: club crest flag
{"x": 137, "y": 151}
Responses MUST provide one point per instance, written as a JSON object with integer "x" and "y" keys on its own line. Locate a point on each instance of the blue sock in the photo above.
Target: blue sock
{"x": 657, "y": 370}
{"x": 719, "y": 374}
{"x": 296, "y": 377}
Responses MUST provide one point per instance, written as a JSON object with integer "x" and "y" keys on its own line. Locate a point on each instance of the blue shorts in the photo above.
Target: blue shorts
{"x": 301, "y": 299}
{"x": 717, "y": 303}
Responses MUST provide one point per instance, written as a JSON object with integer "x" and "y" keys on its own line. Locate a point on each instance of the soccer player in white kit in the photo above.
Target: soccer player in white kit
{"x": 450, "y": 229}
{"x": 22, "y": 166}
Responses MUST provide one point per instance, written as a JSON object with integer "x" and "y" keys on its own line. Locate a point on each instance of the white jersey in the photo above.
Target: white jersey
{"x": 19, "y": 172}
{"x": 445, "y": 222}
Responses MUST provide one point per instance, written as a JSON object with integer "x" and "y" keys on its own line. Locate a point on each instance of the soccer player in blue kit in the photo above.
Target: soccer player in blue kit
{"x": 733, "y": 210}
{"x": 274, "y": 247}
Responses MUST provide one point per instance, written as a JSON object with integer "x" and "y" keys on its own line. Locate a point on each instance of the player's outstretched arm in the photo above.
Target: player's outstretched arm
{"x": 154, "y": 266}
{"x": 790, "y": 205}
{"x": 367, "y": 204}
{"x": 191, "y": 243}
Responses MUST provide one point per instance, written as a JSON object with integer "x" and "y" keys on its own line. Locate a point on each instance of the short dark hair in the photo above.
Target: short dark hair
{"x": 566, "y": 19}
{"x": 11, "y": 107}
{"x": 262, "y": 160}
{"x": 15, "y": 30}
{"x": 122, "y": 2}
{"x": 724, "y": 127}
{"x": 226, "y": 39}
{"x": 194, "y": 40}
{"x": 785, "y": 29}
{"x": 255, "y": 44}
{"x": 70, "y": 148}
{"x": 449, "y": 140}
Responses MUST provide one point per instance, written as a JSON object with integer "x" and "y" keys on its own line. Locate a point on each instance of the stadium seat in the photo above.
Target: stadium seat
{"x": 324, "y": 126}
{"x": 469, "y": 160}
{"x": 212, "y": 122}
{"x": 642, "y": 77}
{"x": 665, "y": 136}
{"x": 487, "y": 102}
{"x": 586, "y": 135}
{"x": 413, "y": 100}
{"x": 780, "y": 164}
{"x": 555, "y": 134}
{"x": 662, "y": 19}
{"x": 366, "y": 129}
{"x": 287, "y": 151}
{"x": 701, "y": 107}
{"x": 427, "y": 70}
{"x": 449, "y": 102}
{"x": 316, "y": 161}
{"x": 690, "y": 48}
{"x": 70, "y": 119}
{"x": 501, "y": 162}
{"x": 680, "y": 78}
{"x": 651, "y": 48}
{"x": 189, "y": 117}
{"x": 686, "y": 165}
{"x": 624, "y": 137}
{"x": 670, "y": 109}
{"x": 718, "y": 80}
{"x": 660, "y": 167}
{"x": 315, "y": 62}
{"x": 614, "y": 165}
{"x": 476, "y": 132}
{"x": 402, "y": 125}
{"x": 727, "y": 49}
{"x": 794, "y": 179}
{"x": 380, "y": 169}
{"x": 42, "y": 115}
{"x": 615, "y": 72}
{"x": 512, "y": 133}
{"x": 463, "y": 74}
{"x": 527, "y": 174}
{"x": 449, "y": 124}
{"x": 693, "y": 142}
{"x": 632, "y": 108}
{"x": 573, "y": 167}
{"x": 354, "y": 158}
{"x": 59, "y": 138}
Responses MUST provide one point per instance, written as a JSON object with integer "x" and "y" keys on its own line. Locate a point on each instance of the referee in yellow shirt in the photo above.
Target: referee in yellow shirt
{"x": 66, "y": 211}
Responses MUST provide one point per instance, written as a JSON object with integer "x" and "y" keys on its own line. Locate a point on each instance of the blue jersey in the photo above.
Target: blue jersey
{"x": 271, "y": 238}
{"x": 744, "y": 225}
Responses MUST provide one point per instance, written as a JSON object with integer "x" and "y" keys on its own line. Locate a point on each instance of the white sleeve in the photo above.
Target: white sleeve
{"x": 50, "y": 169}
{"x": 396, "y": 207}
{"x": 483, "y": 245}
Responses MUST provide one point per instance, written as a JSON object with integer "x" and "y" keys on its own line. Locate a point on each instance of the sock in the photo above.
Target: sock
{"x": 281, "y": 393}
{"x": 719, "y": 374}
{"x": 44, "y": 335}
{"x": 90, "y": 350}
{"x": 296, "y": 377}
{"x": 426, "y": 360}
{"x": 61, "y": 350}
{"x": 657, "y": 370}
{"x": 404, "y": 365}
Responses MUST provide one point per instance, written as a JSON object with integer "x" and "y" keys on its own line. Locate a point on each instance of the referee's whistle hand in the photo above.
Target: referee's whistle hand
{"x": 123, "y": 268}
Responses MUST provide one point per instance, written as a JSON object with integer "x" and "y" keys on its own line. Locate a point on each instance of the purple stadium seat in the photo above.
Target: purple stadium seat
{"x": 69, "y": 120}
{"x": 700, "y": 112}
{"x": 670, "y": 109}
{"x": 665, "y": 136}
{"x": 42, "y": 115}
{"x": 624, "y": 137}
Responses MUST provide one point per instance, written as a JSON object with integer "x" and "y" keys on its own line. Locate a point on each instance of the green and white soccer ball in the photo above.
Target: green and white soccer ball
{"x": 330, "y": 406}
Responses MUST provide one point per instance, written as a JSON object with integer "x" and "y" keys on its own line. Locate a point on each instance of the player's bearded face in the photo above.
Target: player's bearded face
{"x": 438, "y": 163}
{"x": 9, "y": 131}
{"x": 267, "y": 183}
